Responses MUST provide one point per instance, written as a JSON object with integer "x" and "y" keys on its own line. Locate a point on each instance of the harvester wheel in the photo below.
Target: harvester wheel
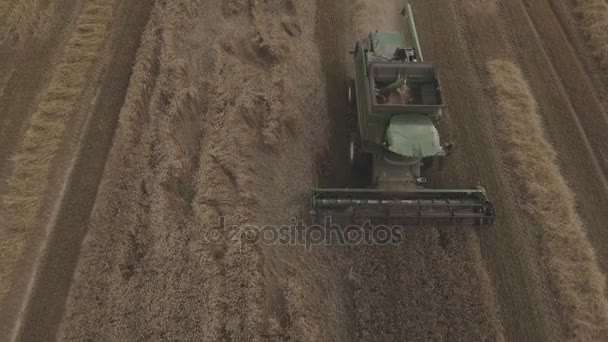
{"x": 350, "y": 93}
{"x": 360, "y": 162}
{"x": 354, "y": 149}
{"x": 427, "y": 163}
{"x": 358, "y": 159}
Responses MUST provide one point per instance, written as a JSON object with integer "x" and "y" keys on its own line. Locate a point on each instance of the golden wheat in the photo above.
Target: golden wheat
{"x": 125, "y": 170}
{"x": 4, "y": 8}
{"x": 33, "y": 161}
{"x": 21, "y": 21}
{"x": 165, "y": 158}
{"x": 568, "y": 254}
{"x": 594, "y": 15}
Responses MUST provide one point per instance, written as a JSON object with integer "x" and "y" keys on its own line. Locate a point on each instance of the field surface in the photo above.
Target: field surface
{"x": 133, "y": 133}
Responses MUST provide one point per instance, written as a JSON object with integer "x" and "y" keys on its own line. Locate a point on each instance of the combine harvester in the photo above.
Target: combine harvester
{"x": 397, "y": 101}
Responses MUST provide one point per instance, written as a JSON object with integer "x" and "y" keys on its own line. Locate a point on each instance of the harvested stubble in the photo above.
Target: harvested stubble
{"x": 195, "y": 117}
{"x": 594, "y": 14}
{"x": 24, "y": 19}
{"x": 32, "y": 163}
{"x": 567, "y": 252}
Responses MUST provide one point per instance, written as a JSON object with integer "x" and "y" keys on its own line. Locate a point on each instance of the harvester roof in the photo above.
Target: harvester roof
{"x": 413, "y": 136}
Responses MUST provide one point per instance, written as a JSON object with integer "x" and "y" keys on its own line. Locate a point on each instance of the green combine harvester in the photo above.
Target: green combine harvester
{"x": 397, "y": 101}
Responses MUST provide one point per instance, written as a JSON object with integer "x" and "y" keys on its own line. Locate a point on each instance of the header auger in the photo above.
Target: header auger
{"x": 396, "y": 99}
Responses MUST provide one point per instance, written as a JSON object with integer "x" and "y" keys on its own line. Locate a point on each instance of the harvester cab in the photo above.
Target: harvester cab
{"x": 396, "y": 102}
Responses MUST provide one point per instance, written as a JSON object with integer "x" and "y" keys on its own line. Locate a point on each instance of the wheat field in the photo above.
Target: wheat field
{"x": 32, "y": 164}
{"x": 232, "y": 111}
{"x": 594, "y": 14}
{"x": 24, "y": 19}
{"x": 567, "y": 252}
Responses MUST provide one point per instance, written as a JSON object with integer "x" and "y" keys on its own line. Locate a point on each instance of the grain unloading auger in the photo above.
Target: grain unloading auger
{"x": 396, "y": 101}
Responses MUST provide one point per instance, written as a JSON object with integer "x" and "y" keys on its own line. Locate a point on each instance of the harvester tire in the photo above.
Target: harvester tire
{"x": 358, "y": 159}
{"x": 360, "y": 163}
{"x": 350, "y": 94}
{"x": 427, "y": 163}
{"x": 354, "y": 148}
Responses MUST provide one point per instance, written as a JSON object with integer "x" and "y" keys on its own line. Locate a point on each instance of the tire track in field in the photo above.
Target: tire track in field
{"x": 45, "y": 304}
{"x": 565, "y": 130}
{"x": 567, "y": 252}
{"x": 34, "y": 162}
{"x": 21, "y": 83}
{"x": 588, "y": 112}
{"x": 590, "y": 117}
{"x": 24, "y": 84}
{"x": 570, "y": 22}
{"x": 125, "y": 217}
{"x": 485, "y": 50}
{"x": 470, "y": 33}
